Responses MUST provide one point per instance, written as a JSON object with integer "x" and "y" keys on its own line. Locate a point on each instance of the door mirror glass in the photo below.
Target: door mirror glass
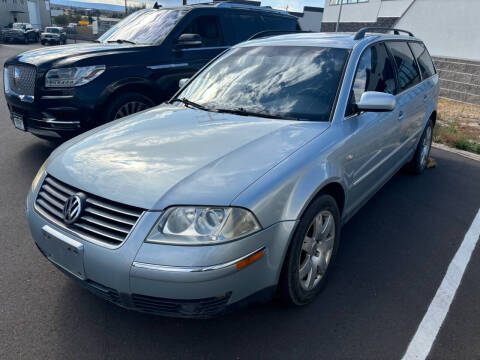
{"x": 183, "y": 82}
{"x": 189, "y": 41}
{"x": 376, "y": 101}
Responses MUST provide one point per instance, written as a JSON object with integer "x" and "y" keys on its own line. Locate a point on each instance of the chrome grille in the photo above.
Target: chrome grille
{"x": 24, "y": 82}
{"x": 102, "y": 221}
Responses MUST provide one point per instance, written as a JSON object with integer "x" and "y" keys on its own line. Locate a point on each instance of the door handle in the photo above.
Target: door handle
{"x": 425, "y": 98}
{"x": 401, "y": 115}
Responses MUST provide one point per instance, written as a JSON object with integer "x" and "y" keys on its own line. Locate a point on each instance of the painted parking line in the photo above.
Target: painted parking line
{"x": 427, "y": 331}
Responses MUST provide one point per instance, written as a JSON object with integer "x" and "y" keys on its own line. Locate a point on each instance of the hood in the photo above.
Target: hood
{"x": 173, "y": 155}
{"x": 69, "y": 54}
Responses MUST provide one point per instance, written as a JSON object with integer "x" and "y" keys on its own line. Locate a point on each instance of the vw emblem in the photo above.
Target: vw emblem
{"x": 16, "y": 75}
{"x": 72, "y": 209}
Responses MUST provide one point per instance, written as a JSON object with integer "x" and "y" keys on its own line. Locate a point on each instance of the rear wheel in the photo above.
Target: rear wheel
{"x": 422, "y": 153}
{"x": 311, "y": 253}
{"x": 127, "y": 104}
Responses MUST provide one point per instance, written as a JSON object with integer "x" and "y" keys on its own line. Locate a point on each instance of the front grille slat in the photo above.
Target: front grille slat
{"x": 21, "y": 79}
{"x": 112, "y": 207}
{"x": 55, "y": 193}
{"x": 103, "y": 221}
{"x": 110, "y": 216}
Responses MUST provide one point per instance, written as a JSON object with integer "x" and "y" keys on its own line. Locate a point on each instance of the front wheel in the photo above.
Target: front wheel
{"x": 127, "y": 104}
{"x": 311, "y": 253}
{"x": 422, "y": 153}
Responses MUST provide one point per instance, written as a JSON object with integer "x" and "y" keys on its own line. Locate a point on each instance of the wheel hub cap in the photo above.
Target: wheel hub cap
{"x": 317, "y": 250}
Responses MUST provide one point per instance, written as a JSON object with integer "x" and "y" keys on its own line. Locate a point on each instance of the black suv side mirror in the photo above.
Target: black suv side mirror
{"x": 189, "y": 40}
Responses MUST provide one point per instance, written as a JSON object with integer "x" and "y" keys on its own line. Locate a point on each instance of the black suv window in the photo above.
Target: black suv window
{"x": 375, "y": 72}
{"x": 209, "y": 29}
{"x": 423, "y": 58}
{"x": 245, "y": 26}
{"x": 407, "y": 69}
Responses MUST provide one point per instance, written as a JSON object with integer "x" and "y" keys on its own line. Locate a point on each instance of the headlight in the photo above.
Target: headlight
{"x": 70, "y": 77}
{"x": 39, "y": 175}
{"x": 199, "y": 225}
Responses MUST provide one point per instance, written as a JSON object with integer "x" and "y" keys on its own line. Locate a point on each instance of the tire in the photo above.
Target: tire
{"x": 43, "y": 42}
{"x": 125, "y": 104}
{"x": 422, "y": 153}
{"x": 294, "y": 287}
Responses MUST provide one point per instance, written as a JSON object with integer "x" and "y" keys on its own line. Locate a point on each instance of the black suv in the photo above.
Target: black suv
{"x": 62, "y": 91}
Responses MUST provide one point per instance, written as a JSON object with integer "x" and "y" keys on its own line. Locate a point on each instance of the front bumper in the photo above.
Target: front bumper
{"x": 172, "y": 280}
{"x": 56, "y": 112}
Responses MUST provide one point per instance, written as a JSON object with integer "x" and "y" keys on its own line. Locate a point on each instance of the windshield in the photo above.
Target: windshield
{"x": 298, "y": 82}
{"x": 144, "y": 26}
{"x": 52, "y": 30}
{"x": 19, "y": 26}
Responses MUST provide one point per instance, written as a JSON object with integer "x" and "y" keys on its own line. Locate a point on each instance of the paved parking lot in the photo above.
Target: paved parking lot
{"x": 393, "y": 257}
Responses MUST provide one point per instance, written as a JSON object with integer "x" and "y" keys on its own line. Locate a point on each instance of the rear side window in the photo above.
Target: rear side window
{"x": 375, "y": 72}
{"x": 407, "y": 69}
{"x": 245, "y": 26}
{"x": 423, "y": 58}
{"x": 277, "y": 23}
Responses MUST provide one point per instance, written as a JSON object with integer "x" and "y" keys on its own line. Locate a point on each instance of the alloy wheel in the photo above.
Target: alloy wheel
{"x": 427, "y": 142}
{"x": 316, "y": 250}
{"x": 130, "y": 108}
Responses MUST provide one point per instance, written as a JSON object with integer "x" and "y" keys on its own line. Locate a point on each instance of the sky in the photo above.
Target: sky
{"x": 293, "y": 5}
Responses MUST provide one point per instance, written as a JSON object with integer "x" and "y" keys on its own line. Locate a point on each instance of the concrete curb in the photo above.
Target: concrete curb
{"x": 456, "y": 151}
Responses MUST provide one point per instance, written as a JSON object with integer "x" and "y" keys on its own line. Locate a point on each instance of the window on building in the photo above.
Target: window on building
{"x": 375, "y": 72}
{"x": 208, "y": 27}
{"x": 407, "y": 69}
{"x": 423, "y": 58}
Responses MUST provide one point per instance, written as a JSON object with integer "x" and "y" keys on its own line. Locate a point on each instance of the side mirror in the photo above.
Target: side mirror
{"x": 182, "y": 82}
{"x": 189, "y": 40}
{"x": 376, "y": 101}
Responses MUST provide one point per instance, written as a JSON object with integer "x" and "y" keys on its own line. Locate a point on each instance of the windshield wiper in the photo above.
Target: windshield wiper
{"x": 243, "y": 112}
{"x": 121, "y": 41}
{"x": 190, "y": 103}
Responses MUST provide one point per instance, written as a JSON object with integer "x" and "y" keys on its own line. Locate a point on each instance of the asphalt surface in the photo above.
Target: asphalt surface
{"x": 392, "y": 259}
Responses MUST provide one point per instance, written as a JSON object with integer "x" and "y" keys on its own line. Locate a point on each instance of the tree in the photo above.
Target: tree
{"x": 60, "y": 20}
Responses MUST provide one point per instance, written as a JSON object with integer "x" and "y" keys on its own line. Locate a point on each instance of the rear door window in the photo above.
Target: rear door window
{"x": 424, "y": 60}
{"x": 245, "y": 26}
{"x": 375, "y": 72}
{"x": 407, "y": 69}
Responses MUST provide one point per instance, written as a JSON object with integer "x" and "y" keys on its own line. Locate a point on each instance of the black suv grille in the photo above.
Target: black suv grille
{"x": 102, "y": 221}
{"x": 23, "y": 82}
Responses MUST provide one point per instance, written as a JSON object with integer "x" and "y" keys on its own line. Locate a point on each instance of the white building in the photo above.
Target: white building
{"x": 35, "y": 12}
{"x": 449, "y": 28}
{"x": 310, "y": 19}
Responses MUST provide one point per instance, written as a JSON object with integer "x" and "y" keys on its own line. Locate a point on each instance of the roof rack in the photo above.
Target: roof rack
{"x": 231, "y": 5}
{"x": 360, "y": 34}
{"x": 263, "y": 34}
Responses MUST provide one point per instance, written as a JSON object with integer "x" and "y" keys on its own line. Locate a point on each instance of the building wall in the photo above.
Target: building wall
{"x": 6, "y": 17}
{"x": 310, "y": 21}
{"x": 449, "y": 28}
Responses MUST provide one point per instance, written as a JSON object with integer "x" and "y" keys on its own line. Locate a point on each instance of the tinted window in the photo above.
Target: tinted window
{"x": 277, "y": 23}
{"x": 423, "y": 58}
{"x": 286, "y": 82}
{"x": 209, "y": 29}
{"x": 408, "y": 74}
{"x": 245, "y": 26}
{"x": 144, "y": 26}
{"x": 375, "y": 72}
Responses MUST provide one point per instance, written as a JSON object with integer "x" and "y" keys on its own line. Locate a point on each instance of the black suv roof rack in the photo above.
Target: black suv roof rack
{"x": 265, "y": 33}
{"x": 360, "y": 34}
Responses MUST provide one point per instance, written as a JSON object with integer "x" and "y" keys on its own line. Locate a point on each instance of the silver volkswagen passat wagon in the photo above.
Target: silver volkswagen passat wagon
{"x": 239, "y": 186}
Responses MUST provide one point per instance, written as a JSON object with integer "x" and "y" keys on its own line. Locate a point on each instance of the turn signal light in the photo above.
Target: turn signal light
{"x": 250, "y": 260}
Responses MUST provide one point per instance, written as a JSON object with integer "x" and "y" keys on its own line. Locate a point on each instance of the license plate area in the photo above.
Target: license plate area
{"x": 63, "y": 251}
{"x": 18, "y": 121}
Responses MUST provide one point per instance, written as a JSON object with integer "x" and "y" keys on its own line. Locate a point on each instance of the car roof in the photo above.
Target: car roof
{"x": 336, "y": 40}
{"x": 233, "y": 7}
